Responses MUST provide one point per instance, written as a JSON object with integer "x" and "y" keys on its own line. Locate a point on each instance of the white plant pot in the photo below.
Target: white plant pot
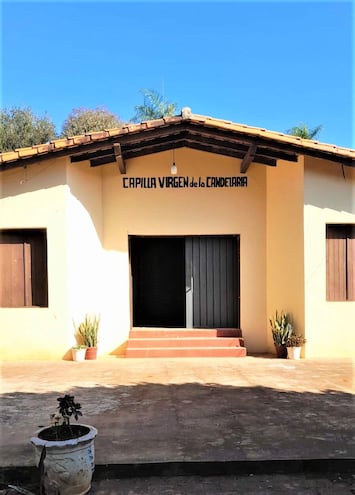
{"x": 294, "y": 352}
{"x": 68, "y": 464}
{"x": 78, "y": 354}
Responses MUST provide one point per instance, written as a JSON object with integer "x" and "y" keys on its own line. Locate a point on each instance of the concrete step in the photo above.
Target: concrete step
{"x": 150, "y": 352}
{"x": 141, "y": 333}
{"x": 185, "y": 341}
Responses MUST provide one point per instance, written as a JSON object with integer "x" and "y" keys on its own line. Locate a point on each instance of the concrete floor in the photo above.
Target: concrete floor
{"x": 187, "y": 412}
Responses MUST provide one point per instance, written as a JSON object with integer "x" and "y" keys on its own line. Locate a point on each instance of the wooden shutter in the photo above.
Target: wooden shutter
{"x": 38, "y": 274}
{"x": 351, "y": 263}
{"x": 12, "y": 287}
{"x": 23, "y": 268}
{"x": 336, "y": 263}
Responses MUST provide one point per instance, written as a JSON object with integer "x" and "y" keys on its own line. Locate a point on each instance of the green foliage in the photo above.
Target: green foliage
{"x": 281, "y": 328}
{"x": 60, "y": 428}
{"x": 20, "y": 127}
{"x": 154, "y": 107}
{"x": 295, "y": 341}
{"x": 67, "y": 408}
{"x": 304, "y": 132}
{"x": 87, "y": 331}
{"x": 82, "y": 120}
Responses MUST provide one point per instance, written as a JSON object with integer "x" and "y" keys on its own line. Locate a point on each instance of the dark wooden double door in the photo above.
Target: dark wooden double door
{"x": 186, "y": 282}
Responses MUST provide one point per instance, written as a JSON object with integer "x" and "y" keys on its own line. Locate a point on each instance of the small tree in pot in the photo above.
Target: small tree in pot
{"x": 282, "y": 329}
{"x": 65, "y": 452}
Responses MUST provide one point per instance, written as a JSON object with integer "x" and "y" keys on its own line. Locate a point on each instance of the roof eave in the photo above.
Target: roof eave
{"x": 197, "y": 128}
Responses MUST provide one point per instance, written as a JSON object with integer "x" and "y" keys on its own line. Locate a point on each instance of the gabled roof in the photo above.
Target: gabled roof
{"x": 250, "y": 144}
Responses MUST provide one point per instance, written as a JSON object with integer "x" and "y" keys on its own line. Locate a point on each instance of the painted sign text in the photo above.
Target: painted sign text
{"x": 183, "y": 182}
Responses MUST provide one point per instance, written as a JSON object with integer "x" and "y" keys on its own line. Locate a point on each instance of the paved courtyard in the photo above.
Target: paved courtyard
{"x": 189, "y": 415}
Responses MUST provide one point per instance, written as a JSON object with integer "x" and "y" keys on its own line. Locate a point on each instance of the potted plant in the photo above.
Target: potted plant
{"x": 78, "y": 352}
{"x": 65, "y": 452}
{"x": 282, "y": 329}
{"x": 87, "y": 333}
{"x": 294, "y": 345}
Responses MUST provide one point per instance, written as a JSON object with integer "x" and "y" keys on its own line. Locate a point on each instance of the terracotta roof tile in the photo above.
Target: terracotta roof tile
{"x": 114, "y": 132}
{"x": 60, "y": 143}
{"x": 73, "y": 141}
{"x": 96, "y": 136}
{"x": 8, "y": 156}
{"x": 26, "y": 151}
{"x": 81, "y": 139}
{"x": 279, "y": 136}
{"x": 43, "y": 148}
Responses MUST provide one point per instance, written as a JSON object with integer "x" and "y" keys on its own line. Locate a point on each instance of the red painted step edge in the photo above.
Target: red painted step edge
{"x": 186, "y": 342}
{"x": 187, "y": 352}
{"x": 141, "y": 333}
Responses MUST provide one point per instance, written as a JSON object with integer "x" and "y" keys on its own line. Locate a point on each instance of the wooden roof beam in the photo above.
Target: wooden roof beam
{"x": 119, "y": 158}
{"x": 220, "y": 150}
{"x": 248, "y": 158}
{"x": 102, "y": 160}
{"x": 89, "y": 155}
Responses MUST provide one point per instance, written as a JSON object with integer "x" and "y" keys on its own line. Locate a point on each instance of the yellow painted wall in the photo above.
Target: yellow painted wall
{"x": 284, "y": 252}
{"x": 191, "y": 211}
{"x": 37, "y": 198}
{"x": 89, "y": 216}
{"x": 93, "y": 277}
{"x": 85, "y": 230}
{"x": 329, "y": 198}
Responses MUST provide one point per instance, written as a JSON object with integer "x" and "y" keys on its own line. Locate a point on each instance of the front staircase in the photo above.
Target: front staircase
{"x": 182, "y": 342}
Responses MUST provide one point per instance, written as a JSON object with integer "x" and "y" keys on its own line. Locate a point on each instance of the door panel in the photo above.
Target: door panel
{"x": 158, "y": 270}
{"x": 185, "y": 282}
{"x": 215, "y": 281}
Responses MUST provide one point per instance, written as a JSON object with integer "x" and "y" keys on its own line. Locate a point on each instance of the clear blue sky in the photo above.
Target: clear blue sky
{"x": 266, "y": 64}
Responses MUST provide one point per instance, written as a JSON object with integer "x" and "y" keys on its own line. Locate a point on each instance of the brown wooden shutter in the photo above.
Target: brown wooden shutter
{"x": 336, "y": 263}
{"x": 23, "y": 268}
{"x": 351, "y": 263}
{"x": 27, "y": 266}
{"x": 12, "y": 270}
{"x": 38, "y": 276}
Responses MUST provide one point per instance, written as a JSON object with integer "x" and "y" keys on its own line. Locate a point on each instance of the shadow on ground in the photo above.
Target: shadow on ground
{"x": 190, "y": 422}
